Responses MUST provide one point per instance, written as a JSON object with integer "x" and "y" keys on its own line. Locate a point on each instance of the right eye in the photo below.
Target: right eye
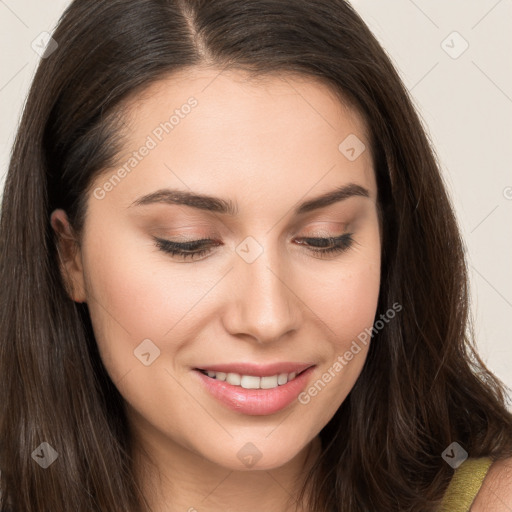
{"x": 193, "y": 248}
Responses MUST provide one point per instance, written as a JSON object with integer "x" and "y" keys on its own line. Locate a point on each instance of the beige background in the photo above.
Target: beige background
{"x": 464, "y": 96}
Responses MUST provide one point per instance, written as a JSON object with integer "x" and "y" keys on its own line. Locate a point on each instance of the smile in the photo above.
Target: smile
{"x": 254, "y": 395}
{"x": 251, "y": 381}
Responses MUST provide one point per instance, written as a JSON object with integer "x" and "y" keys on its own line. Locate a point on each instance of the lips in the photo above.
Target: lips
{"x": 257, "y": 370}
{"x": 255, "y": 401}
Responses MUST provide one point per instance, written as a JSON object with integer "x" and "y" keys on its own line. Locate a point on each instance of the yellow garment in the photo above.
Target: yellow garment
{"x": 465, "y": 484}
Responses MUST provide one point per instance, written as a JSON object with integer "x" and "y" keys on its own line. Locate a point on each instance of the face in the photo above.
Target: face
{"x": 278, "y": 283}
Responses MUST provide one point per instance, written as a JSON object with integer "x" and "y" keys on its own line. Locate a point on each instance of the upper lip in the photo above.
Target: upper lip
{"x": 262, "y": 370}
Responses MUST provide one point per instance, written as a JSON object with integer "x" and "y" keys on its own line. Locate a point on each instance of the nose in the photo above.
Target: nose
{"x": 264, "y": 305}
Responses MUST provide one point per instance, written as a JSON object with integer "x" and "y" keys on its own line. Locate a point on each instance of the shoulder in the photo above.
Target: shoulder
{"x": 496, "y": 491}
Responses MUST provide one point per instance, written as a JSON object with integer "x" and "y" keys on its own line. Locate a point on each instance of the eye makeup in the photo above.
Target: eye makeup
{"x": 196, "y": 248}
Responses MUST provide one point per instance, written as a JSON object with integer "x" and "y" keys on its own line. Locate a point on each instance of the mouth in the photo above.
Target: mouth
{"x": 253, "y": 381}
{"x": 255, "y": 395}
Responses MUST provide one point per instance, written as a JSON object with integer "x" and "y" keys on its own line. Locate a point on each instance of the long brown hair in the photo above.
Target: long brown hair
{"x": 423, "y": 385}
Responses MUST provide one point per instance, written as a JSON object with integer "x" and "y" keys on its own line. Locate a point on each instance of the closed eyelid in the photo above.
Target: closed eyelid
{"x": 330, "y": 245}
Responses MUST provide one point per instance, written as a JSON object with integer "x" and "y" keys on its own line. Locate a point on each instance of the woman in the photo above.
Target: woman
{"x": 232, "y": 277}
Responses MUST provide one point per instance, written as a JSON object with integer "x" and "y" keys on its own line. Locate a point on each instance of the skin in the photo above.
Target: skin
{"x": 266, "y": 145}
{"x": 496, "y": 491}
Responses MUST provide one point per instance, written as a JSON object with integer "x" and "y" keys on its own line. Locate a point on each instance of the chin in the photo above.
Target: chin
{"x": 256, "y": 455}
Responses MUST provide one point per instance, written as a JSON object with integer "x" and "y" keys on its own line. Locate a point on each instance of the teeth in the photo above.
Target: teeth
{"x": 251, "y": 381}
{"x": 282, "y": 378}
{"x": 270, "y": 382}
{"x": 233, "y": 378}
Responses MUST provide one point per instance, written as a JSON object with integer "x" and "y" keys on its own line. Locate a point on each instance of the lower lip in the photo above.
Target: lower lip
{"x": 256, "y": 402}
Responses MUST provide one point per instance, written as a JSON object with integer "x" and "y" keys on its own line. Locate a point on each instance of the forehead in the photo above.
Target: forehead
{"x": 237, "y": 94}
{"x": 207, "y": 127}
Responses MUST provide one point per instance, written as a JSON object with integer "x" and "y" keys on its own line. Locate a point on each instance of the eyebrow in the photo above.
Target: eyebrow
{"x": 227, "y": 207}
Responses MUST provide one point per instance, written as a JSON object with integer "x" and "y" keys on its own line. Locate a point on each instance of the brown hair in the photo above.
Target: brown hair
{"x": 423, "y": 385}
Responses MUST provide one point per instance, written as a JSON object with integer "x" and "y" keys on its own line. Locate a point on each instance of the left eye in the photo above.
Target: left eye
{"x": 198, "y": 248}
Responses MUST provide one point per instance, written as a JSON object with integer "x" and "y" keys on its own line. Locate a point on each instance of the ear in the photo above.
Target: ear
{"x": 70, "y": 256}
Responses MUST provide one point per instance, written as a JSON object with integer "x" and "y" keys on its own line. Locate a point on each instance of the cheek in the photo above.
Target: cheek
{"x": 358, "y": 299}
{"x": 353, "y": 315}
{"x": 129, "y": 301}
{"x": 346, "y": 302}
{"x": 346, "y": 295}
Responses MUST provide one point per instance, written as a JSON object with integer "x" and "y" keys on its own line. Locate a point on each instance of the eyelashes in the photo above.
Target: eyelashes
{"x": 194, "y": 249}
{"x": 329, "y": 245}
